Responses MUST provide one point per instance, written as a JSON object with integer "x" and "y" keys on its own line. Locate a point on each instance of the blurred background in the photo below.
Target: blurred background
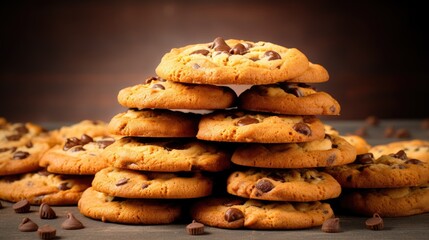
{"x": 64, "y": 61}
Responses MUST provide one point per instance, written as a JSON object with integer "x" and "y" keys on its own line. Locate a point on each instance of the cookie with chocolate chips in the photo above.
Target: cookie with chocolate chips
{"x": 234, "y": 213}
{"x": 387, "y": 171}
{"x": 44, "y": 187}
{"x": 160, "y": 93}
{"x": 296, "y": 185}
{"x": 387, "y": 202}
{"x": 92, "y": 128}
{"x": 416, "y": 148}
{"x": 232, "y": 62}
{"x": 18, "y": 134}
{"x": 167, "y": 155}
{"x": 240, "y": 126}
{"x": 78, "y": 155}
{"x": 330, "y": 151}
{"x": 101, "y": 206}
{"x": 288, "y": 98}
{"x": 154, "y": 123}
{"x": 135, "y": 184}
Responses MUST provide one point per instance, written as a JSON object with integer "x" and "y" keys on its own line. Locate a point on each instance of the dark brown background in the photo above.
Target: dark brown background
{"x": 66, "y": 61}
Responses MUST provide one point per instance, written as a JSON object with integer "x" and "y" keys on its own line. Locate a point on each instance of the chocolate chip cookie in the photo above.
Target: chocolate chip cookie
{"x": 296, "y": 185}
{"x": 98, "y": 205}
{"x": 132, "y": 184}
{"x": 288, "y": 98}
{"x": 415, "y": 148}
{"x": 92, "y": 128}
{"x": 233, "y": 213}
{"x": 330, "y": 151}
{"x": 232, "y": 62}
{"x": 160, "y": 93}
{"x": 240, "y": 126}
{"x": 167, "y": 155}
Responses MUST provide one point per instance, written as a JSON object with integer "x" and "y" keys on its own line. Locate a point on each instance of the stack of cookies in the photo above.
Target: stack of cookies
{"x": 42, "y": 167}
{"x": 279, "y": 141}
{"x": 157, "y": 155}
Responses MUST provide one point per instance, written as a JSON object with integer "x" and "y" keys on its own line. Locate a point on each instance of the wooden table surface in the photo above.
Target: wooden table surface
{"x": 413, "y": 227}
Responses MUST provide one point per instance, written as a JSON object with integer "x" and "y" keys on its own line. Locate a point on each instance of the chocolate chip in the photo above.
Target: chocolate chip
{"x": 78, "y": 148}
{"x": 71, "y": 142}
{"x": 389, "y": 132}
{"x": 158, "y": 86}
{"x": 204, "y": 52}
{"x": 254, "y": 59}
{"x": 334, "y": 145}
{"x": 414, "y": 161}
{"x": 22, "y": 129}
{"x": 14, "y": 137}
{"x": 149, "y": 80}
{"x": 145, "y": 185}
{"x": 46, "y": 212}
{"x": 19, "y": 155}
{"x": 331, "y": 225}
{"x": 372, "y": 121}
{"x": 233, "y": 214}
{"x": 195, "y": 228}
{"x": 85, "y": 139}
{"x": 105, "y": 143}
{"x": 4, "y": 149}
{"x": 402, "y": 133}
{"x": 22, "y": 206}
{"x": 29, "y": 144}
{"x": 400, "y": 154}
{"x": 247, "y": 121}
{"x": 122, "y": 181}
{"x": 220, "y": 45}
{"x": 232, "y": 202}
{"x": 264, "y": 185}
{"x": 71, "y": 223}
{"x": 238, "y": 49}
{"x": 272, "y": 55}
{"x": 375, "y": 223}
{"x": 366, "y": 158}
{"x": 63, "y": 186}
{"x": 47, "y": 232}
{"x": 27, "y": 225}
{"x": 302, "y": 128}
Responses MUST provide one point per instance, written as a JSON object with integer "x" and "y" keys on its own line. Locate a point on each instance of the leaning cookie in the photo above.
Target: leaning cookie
{"x": 160, "y": 93}
{"x": 240, "y": 126}
{"x": 288, "y": 98}
{"x": 330, "y": 151}
{"x": 98, "y": 205}
{"x": 297, "y": 185}
{"x": 232, "y": 62}
{"x": 167, "y": 155}
{"x": 44, "y": 187}
{"x": 154, "y": 123}
{"x": 133, "y": 184}
{"x": 388, "y": 202}
{"x": 416, "y": 148}
{"x": 387, "y": 171}
{"x": 80, "y": 156}
{"x": 234, "y": 213}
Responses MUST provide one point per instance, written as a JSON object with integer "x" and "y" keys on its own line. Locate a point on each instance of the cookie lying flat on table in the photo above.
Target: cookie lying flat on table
{"x": 132, "y": 184}
{"x": 81, "y": 156}
{"x": 154, "y": 123}
{"x": 297, "y": 185}
{"x": 416, "y": 148}
{"x": 233, "y": 213}
{"x": 239, "y": 126}
{"x": 288, "y": 98}
{"x": 387, "y": 171}
{"x": 388, "y": 202}
{"x": 160, "y": 93}
{"x": 232, "y": 62}
{"x": 167, "y": 155}
{"x": 44, "y": 187}
{"x": 330, "y": 151}
{"x": 106, "y": 208}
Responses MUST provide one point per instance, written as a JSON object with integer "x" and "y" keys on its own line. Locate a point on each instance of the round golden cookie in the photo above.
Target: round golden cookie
{"x": 415, "y": 148}
{"x": 233, "y": 213}
{"x": 296, "y": 185}
{"x": 18, "y": 134}
{"x": 133, "y": 184}
{"x": 315, "y": 73}
{"x": 388, "y": 202}
{"x": 154, "y": 123}
{"x": 330, "y": 151}
{"x": 44, "y": 187}
{"x": 80, "y": 156}
{"x": 288, "y": 98}
{"x": 106, "y": 208}
{"x": 167, "y": 155}
{"x": 160, "y": 93}
{"x": 239, "y": 126}
{"x": 387, "y": 171}
{"x": 232, "y": 62}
